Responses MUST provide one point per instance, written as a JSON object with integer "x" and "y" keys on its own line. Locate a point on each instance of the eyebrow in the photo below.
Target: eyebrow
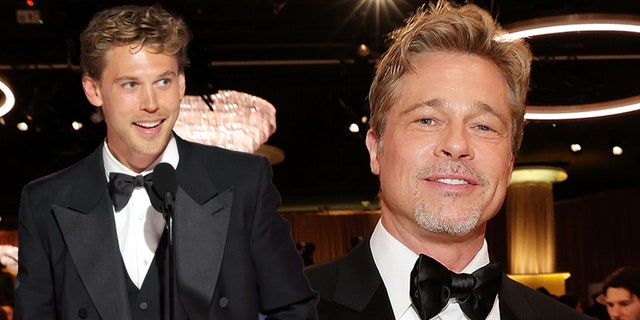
{"x": 162, "y": 75}
{"x": 487, "y": 108}
{"x": 438, "y": 103}
{"x": 433, "y": 103}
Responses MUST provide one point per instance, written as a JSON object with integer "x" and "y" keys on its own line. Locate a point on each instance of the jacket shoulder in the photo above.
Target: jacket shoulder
{"x": 57, "y": 182}
{"x": 215, "y": 152}
{"x": 323, "y": 277}
{"x": 350, "y": 288}
{"x": 531, "y": 304}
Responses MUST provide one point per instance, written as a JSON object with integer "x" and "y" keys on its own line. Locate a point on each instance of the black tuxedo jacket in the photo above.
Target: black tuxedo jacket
{"x": 234, "y": 256}
{"x": 351, "y": 288}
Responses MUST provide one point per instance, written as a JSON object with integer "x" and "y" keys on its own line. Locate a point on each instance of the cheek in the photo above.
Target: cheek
{"x": 398, "y": 156}
{"x": 497, "y": 158}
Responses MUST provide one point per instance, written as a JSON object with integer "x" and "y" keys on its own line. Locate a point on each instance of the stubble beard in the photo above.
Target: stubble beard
{"x": 153, "y": 146}
{"x": 441, "y": 217}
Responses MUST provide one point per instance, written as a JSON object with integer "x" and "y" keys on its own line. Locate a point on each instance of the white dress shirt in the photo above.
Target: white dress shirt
{"x": 138, "y": 225}
{"x": 395, "y": 262}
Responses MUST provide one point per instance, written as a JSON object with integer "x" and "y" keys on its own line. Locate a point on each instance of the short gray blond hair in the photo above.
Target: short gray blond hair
{"x": 446, "y": 27}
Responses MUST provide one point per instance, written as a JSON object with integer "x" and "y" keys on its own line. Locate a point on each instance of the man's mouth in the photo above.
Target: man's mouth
{"x": 452, "y": 181}
{"x": 148, "y": 125}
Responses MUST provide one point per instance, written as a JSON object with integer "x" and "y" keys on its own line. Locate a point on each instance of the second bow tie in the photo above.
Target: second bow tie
{"x": 121, "y": 186}
{"x": 432, "y": 285}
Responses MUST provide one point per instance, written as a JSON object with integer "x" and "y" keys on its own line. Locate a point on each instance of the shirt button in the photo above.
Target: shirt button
{"x": 143, "y": 305}
{"x": 140, "y": 217}
{"x": 145, "y": 262}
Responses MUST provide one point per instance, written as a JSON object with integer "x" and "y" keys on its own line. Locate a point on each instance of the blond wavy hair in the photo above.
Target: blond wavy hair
{"x": 151, "y": 27}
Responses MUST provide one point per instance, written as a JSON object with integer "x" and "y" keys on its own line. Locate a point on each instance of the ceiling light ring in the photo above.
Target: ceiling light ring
{"x": 576, "y": 23}
{"x": 9, "y": 100}
{"x": 590, "y": 22}
{"x": 583, "y": 111}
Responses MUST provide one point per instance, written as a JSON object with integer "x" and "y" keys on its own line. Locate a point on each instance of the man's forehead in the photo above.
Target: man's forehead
{"x": 619, "y": 293}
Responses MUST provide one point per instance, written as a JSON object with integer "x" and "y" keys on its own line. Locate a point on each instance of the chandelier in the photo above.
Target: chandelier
{"x": 229, "y": 119}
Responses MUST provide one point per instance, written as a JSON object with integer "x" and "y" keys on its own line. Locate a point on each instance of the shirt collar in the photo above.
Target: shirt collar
{"x": 395, "y": 262}
{"x": 111, "y": 164}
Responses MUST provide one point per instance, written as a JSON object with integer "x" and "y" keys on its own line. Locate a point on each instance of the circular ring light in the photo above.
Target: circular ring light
{"x": 583, "y": 111}
{"x": 9, "y": 100}
{"x": 571, "y": 23}
{"x": 576, "y": 23}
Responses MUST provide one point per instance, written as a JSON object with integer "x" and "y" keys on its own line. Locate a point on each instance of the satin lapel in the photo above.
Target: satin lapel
{"x": 200, "y": 235}
{"x": 193, "y": 176}
{"x": 93, "y": 246}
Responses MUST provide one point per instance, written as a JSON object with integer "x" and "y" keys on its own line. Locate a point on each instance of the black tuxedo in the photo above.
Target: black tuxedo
{"x": 351, "y": 288}
{"x": 233, "y": 251}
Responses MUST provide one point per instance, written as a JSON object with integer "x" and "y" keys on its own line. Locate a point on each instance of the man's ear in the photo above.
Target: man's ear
{"x": 512, "y": 163}
{"x": 92, "y": 91}
{"x": 372, "y": 146}
{"x": 182, "y": 82}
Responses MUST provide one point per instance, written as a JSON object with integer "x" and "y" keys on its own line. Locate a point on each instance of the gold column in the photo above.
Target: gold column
{"x": 530, "y": 219}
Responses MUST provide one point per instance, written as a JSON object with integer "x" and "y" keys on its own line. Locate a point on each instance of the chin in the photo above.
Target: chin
{"x": 441, "y": 222}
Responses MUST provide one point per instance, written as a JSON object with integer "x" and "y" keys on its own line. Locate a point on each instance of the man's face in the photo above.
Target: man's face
{"x": 445, "y": 159}
{"x": 622, "y": 304}
{"x": 139, "y": 94}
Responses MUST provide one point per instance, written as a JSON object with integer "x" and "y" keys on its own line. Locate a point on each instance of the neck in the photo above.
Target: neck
{"x": 134, "y": 161}
{"x": 453, "y": 251}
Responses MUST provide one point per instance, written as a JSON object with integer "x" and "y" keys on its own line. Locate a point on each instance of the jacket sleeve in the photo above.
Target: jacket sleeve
{"x": 34, "y": 294}
{"x": 283, "y": 289}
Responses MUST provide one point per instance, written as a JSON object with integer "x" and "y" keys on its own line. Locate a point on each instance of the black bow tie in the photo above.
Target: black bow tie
{"x": 121, "y": 186}
{"x": 432, "y": 285}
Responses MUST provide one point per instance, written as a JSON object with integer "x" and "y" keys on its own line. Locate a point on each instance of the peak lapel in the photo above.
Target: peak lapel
{"x": 93, "y": 246}
{"x": 200, "y": 235}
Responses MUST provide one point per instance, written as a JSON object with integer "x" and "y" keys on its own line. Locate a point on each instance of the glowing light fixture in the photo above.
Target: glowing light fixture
{"x": 7, "y": 99}
{"x": 617, "y": 150}
{"x": 572, "y": 23}
{"x": 583, "y": 111}
{"x": 22, "y": 126}
{"x": 538, "y": 174}
{"x": 229, "y": 119}
{"x": 576, "y": 23}
{"x": 76, "y": 125}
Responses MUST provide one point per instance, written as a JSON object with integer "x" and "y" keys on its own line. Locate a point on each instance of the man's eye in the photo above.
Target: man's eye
{"x": 427, "y": 121}
{"x": 129, "y": 85}
{"x": 164, "y": 82}
{"x": 483, "y": 127}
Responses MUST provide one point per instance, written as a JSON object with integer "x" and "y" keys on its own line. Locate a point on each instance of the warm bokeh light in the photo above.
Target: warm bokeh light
{"x": 538, "y": 174}
{"x": 22, "y": 126}
{"x": 617, "y": 150}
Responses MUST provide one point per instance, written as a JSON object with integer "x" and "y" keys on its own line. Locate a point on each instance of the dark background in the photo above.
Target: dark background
{"x": 301, "y": 55}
